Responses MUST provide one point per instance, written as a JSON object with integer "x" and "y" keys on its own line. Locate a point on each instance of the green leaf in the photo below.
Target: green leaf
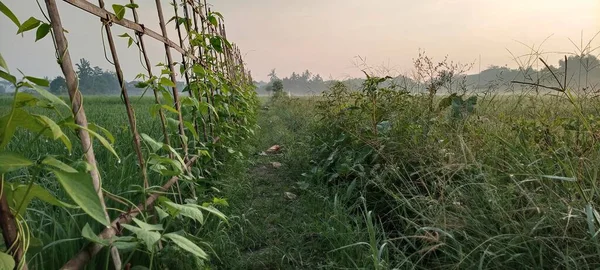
{"x": 98, "y": 129}
{"x": 6, "y": 261}
{"x": 10, "y": 162}
{"x": 89, "y": 234}
{"x": 52, "y": 162}
{"x": 213, "y": 20}
{"x": 191, "y": 128}
{"x": 2, "y": 62}
{"x": 132, "y": 6}
{"x": 4, "y": 9}
{"x": 129, "y": 42}
{"x": 125, "y": 243}
{"x": 166, "y": 82}
{"x": 149, "y": 238}
{"x": 53, "y": 130}
{"x": 102, "y": 140}
{"x": 187, "y": 210}
{"x": 42, "y": 31}
{"x": 8, "y": 77}
{"x": 214, "y": 211}
{"x": 80, "y": 188}
{"x": 25, "y": 99}
{"x": 29, "y": 24}
{"x": 119, "y": 11}
{"x": 49, "y": 96}
{"x": 21, "y": 196}
{"x": 161, "y": 213}
{"x": 169, "y": 108}
{"x": 148, "y": 227}
{"x": 154, "y": 145}
{"x": 186, "y": 245}
{"x": 216, "y": 44}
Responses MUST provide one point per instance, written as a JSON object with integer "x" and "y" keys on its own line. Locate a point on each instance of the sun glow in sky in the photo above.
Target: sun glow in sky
{"x": 326, "y": 36}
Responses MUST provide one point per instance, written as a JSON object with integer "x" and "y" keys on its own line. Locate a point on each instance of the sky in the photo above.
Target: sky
{"x": 333, "y": 38}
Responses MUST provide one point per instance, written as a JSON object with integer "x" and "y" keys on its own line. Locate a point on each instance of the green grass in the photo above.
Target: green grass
{"x": 505, "y": 187}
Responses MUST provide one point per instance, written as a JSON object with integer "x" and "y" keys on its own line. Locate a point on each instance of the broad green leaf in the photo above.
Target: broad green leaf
{"x": 8, "y": 77}
{"x": 46, "y": 94}
{"x": 124, "y": 245}
{"x": 161, "y": 213}
{"x": 42, "y": 31}
{"x": 216, "y": 44}
{"x": 80, "y": 188}
{"x": 166, "y": 95}
{"x": 11, "y": 161}
{"x": 166, "y": 82}
{"x": 169, "y": 108}
{"x": 119, "y": 11}
{"x": 29, "y": 24}
{"x": 102, "y": 140}
{"x": 4, "y": 9}
{"x": 21, "y": 195}
{"x": 186, "y": 245}
{"x": 191, "y": 128}
{"x": 147, "y": 237}
{"x": 50, "y": 124}
{"x": 25, "y": 99}
{"x": 188, "y": 210}
{"x": 213, "y": 20}
{"x": 50, "y": 161}
{"x": 213, "y": 211}
{"x": 132, "y": 6}
{"x": 89, "y": 234}
{"x": 164, "y": 165}
{"x": 53, "y": 130}
{"x": 98, "y": 129}
{"x": 10, "y": 122}
{"x": 6, "y": 261}
{"x": 2, "y": 62}
{"x": 148, "y": 227}
{"x": 220, "y": 201}
{"x": 154, "y": 145}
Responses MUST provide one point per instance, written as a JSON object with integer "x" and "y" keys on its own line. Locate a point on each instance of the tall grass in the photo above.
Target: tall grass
{"x": 508, "y": 184}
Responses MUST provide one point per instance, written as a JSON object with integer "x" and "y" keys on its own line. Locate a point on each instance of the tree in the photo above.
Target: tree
{"x": 58, "y": 85}
{"x": 275, "y": 86}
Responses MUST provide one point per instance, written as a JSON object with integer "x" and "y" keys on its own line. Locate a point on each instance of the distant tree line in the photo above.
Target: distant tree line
{"x": 583, "y": 73}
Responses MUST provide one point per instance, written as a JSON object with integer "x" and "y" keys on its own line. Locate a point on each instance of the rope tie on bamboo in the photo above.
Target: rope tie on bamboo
{"x": 107, "y": 21}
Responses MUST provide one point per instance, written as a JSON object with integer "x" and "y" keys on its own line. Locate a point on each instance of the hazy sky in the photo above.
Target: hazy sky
{"x": 326, "y": 36}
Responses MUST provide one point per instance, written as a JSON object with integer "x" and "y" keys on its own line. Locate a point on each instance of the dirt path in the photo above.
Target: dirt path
{"x": 275, "y": 222}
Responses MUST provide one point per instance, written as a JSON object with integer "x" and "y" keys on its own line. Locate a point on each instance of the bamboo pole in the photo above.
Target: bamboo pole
{"x": 101, "y": 13}
{"x": 10, "y": 232}
{"x": 130, "y": 112}
{"x": 85, "y": 255}
{"x": 161, "y": 19}
{"x": 64, "y": 59}
{"x": 161, "y": 113}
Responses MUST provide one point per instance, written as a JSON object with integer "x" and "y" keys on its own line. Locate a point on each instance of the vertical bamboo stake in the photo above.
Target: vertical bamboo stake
{"x": 163, "y": 121}
{"x": 163, "y": 28}
{"x": 10, "y": 232}
{"x": 199, "y": 55}
{"x": 130, "y": 112}
{"x": 209, "y": 94}
{"x": 184, "y": 57}
{"x": 64, "y": 59}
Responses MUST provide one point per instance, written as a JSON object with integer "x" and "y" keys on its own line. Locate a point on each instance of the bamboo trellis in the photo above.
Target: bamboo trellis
{"x": 195, "y": 13}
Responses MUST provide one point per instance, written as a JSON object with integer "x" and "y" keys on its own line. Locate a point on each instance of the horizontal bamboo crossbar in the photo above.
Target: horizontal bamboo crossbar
{"x": 139, "y": 28}
{"x": 89, "y": 251}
